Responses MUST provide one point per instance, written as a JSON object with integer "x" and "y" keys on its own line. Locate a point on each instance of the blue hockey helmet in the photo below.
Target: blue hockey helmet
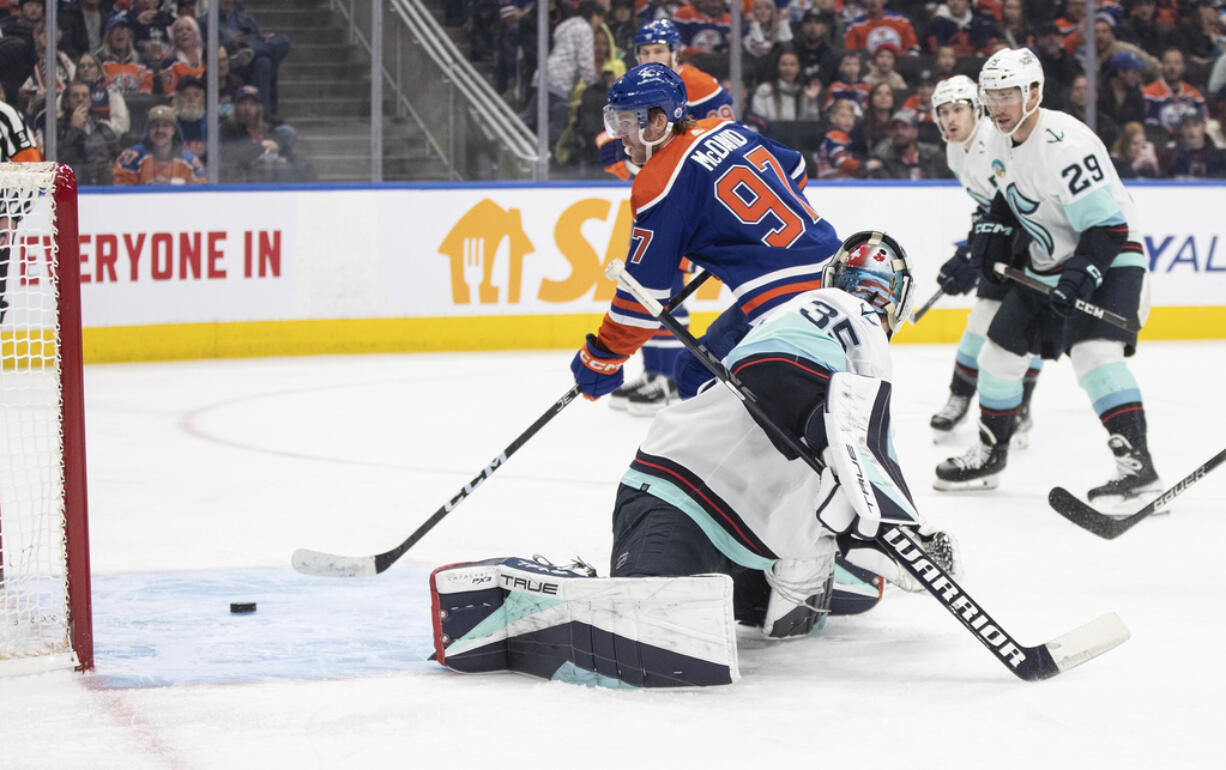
{"x": 658, "y": 31}
{"x": 634, "y": 94}
{"x": 874, "y": 267}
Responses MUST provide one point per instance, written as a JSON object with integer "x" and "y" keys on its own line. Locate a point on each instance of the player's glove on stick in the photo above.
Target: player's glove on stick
{"x": 959, "y": 273}
{"x": 991, "y": 242}
{"x": 1078, "y": 280}
{"x": 597, "y": 371}
{"x": 837, "y": 514}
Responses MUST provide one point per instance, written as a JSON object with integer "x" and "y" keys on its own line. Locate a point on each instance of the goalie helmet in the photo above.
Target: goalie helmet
{"x": 636, "y": 93}
{"x": 959, "y": 88}
{"x": 873, "y": 266}
{"x": 658, "y": 31}
{"x": 1012, "y": 68}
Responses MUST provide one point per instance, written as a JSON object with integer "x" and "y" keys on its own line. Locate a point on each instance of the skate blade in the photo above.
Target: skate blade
{"x": 973, "y": 485}
{"x": 1123, "y": 506}
{"x": 620, "y": 404}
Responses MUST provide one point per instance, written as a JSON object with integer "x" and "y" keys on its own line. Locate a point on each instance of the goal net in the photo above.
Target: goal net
{"x": 44, "y": 552}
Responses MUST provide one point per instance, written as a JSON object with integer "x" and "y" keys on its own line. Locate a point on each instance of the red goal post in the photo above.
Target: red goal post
{"x": 45, "y": 606}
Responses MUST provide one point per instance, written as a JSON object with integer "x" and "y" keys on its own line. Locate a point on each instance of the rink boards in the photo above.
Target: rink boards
{"x": 253, "y": 271}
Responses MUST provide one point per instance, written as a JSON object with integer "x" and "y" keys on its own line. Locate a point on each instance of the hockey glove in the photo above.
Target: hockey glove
{"x": 959, "y": 273}
{"x": 991, "y": 242}
{"x": 597, "y": 371}
{"x": 1078, "y": 280}
{"x": 837, "y": 514}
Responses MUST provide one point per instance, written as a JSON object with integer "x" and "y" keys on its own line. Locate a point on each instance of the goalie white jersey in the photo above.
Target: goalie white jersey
{"x": 1059, "y": 183}
{"x": 971, "y": 167}
{"x": 707, "y": 456}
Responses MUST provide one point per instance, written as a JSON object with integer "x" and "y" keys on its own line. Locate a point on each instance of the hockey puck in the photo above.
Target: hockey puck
{"x": 242, "y": 607}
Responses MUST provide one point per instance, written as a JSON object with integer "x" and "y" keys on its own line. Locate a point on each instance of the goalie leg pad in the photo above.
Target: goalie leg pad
{"x": 520, "y": 615}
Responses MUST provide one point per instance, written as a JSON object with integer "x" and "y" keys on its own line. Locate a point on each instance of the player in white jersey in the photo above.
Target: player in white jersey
{"x": 708, "y": 491}
{"x": 955, "y": 103}
{"x": 1055, "y": 181}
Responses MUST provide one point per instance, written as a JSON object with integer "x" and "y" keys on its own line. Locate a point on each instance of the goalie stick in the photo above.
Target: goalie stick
{"x": 924, "y": 308}
{"x": 1110, "y": 527}
{"x": 1115, "y": 319}
{"x": 323, "y": 564}
{"x": 1028, "y": 663}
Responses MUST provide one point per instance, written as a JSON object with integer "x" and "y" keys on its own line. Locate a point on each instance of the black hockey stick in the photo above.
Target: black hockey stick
{"x": 323, "y": 564}
{"x": 924, "y": 308}
{"x": 1115, "y": 319}
{"x": 1111, "y": 527}
{"x": 1028, "y": 663}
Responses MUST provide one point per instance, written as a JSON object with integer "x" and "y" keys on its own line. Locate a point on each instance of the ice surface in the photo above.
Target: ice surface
{"x": 205, "y": 476}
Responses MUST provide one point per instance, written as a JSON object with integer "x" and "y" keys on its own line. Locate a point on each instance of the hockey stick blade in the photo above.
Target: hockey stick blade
{"x": 1086, "y": 642}
{"x": 321, "y": 564}
{"x": 1110, "y": 527}
{"x": 1030, "y": 664}
{"x": 1027, "y": 663}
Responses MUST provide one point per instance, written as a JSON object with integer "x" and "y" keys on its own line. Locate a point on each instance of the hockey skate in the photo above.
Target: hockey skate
{"x": 944, "y": 421}
{"x": 1135, "y": 477}
{"x": 654, "y": 395}
{"x": 979, "y": 468}
{"x": 620, "y": 398}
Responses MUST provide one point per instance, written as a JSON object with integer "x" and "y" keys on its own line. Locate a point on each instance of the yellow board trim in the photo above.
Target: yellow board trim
{"x": 170, "y": 342}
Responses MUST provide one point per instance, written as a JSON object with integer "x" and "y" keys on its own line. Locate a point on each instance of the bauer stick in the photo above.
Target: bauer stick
{"x": 323, "y": 564}
{"x": 1115, "y": 319}
{"x": 924, "y": 308}
{"x": 1028, "y": 663}
{"x": 1110, "y": 527}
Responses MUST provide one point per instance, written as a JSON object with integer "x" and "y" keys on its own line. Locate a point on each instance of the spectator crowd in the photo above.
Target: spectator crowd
{"x": 848, "y": 82}
{"x": 129, "y": 90}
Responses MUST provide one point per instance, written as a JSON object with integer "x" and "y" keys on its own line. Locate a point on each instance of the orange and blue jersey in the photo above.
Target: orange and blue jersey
{"x": 834, "y": 157}
{"x": 705, "y": 98}
{"x": 128, "y": 77}
{"x": 701, "y": 33}
{"x": 856, "y": 93}
{"x": 732, "y": 201}
{"x": 137, "y": 166}
{"x": 866, "y": 33}
{"x": 1166, "y": 107}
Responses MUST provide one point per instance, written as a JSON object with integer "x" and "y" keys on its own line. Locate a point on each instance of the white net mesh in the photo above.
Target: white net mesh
{"x": 33, "y": 572}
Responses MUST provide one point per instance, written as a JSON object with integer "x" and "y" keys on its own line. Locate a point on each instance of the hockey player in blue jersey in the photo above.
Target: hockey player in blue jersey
{"x": 729, "y": 199}
{"x": 659, "y": 41}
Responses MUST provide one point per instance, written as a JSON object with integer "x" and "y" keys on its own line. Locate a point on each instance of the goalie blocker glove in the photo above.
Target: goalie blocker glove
{"x": 597, "y": 370}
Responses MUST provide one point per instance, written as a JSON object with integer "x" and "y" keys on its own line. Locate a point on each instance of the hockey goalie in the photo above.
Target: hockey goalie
{"x": 714, "y": 523}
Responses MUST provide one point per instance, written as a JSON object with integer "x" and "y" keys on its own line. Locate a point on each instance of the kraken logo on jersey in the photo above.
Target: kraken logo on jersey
{"x": 1022, "y": 206}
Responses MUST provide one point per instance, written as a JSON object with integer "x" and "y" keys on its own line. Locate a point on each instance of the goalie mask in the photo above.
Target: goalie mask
{"x": 873, "y": 266}
{"x": 635, "y": 94}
